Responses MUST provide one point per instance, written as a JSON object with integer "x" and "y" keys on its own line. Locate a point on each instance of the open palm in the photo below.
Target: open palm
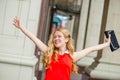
{"x": 16, "y": 22}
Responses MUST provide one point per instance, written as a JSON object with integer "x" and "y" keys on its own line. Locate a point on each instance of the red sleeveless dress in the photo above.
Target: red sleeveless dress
{"x": 61, "y": 69}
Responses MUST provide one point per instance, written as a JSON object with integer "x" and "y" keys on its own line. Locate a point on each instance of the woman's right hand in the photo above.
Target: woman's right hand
{"x": 17, "y": 23}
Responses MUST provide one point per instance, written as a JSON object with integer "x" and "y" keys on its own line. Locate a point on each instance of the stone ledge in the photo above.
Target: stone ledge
{"x": 18, "y": 60}
{"x": 104, "y": 71}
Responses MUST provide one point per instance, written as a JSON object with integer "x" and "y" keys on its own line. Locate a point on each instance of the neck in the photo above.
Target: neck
{"x": 62, "y": 50}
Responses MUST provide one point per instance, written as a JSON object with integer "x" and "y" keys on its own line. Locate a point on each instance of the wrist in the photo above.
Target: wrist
{"x": 21, "y": 28}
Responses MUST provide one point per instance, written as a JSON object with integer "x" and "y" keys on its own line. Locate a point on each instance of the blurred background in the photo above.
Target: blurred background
{"x": 86, "y": 20}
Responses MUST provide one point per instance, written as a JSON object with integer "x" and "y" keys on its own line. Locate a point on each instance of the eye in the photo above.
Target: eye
{"x": 54, "y": 37}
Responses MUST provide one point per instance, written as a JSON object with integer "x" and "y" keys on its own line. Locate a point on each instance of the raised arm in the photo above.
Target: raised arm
{"x": 42, "y": 47}
{"x": 84, "y": 52}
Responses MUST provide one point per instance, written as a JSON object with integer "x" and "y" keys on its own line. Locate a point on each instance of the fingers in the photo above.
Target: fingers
{"x": 16, "y": 21}
{"x": 108, "y": 39}
{"x": 109, "y": 36}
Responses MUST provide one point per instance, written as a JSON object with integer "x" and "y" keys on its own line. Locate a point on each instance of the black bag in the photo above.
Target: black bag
{"x": 114, "y": 43}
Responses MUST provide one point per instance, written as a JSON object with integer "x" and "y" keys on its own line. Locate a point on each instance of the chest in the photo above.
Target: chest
{"x": 63, "y": 62}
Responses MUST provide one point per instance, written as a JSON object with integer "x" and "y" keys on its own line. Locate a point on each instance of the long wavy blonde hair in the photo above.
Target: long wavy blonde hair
{"x": 53, "y": 51}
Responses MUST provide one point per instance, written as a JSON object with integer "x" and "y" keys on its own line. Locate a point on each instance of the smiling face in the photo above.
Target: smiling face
{"x": 59, "y": 39}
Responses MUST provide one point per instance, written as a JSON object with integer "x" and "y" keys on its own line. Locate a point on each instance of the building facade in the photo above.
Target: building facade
{"x": 21, "y": 60}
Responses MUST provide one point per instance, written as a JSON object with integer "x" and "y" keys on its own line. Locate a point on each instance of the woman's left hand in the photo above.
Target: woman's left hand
{"x": 108, "y": 40}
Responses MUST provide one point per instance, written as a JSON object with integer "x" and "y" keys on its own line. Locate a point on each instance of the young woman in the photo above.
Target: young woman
{"x": 59, "y": 56}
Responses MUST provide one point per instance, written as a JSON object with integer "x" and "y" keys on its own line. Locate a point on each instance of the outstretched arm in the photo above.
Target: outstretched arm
{"x": 42, "y": 47}
{"x": 84, "y": 52}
